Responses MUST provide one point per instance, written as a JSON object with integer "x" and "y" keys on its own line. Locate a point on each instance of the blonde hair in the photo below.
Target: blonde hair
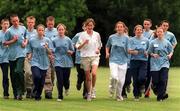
{"x": 40, "y": 25}
{"x": 64, "y": 26}
{"x": 124, "y": 25}
{"x": 4, "y": 20}
{"x": 88, "y": 21}
{"x": 137, "y": 27}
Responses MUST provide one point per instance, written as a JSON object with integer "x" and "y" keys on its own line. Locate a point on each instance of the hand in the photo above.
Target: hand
{"x": 5, "y": 43}
{"x": 15, "y": 37}
{"x": 29, "y": 56}
{"x": 97, "y": 51}
{"x": 169, "y": 56}
{"x": 69, "y": 52}
{"x": 24, "y": 43}
{"x": 134, "y": 52}
{"x": 46, "y": 45}
{"x": 155, "y": 55}
{"x": 86, "y": 41}
{"x": 146, "y": 54}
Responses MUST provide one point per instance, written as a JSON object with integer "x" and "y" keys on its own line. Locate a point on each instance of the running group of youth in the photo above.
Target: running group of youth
{"x": 35, "y": 56}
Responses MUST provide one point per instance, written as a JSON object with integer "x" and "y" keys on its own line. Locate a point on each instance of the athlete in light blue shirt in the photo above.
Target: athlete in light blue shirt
{"x": 4, "y": 53}
{"x": 117, "y": 52}
{"x": 30, "y": 33}
{"x": 138, "y": 64}
{"x": 39, "y": 49}
{"x": 51, "y": 33}
{"x": 80, "y": 72}
{"x": 167, "y": 34}
{"x": 77, "y": 54}
{"x": 63, "y": 61}
{"x": 16, "y": 40}
{"x": 148, "y": 33}
{"x": 161, "y": 51}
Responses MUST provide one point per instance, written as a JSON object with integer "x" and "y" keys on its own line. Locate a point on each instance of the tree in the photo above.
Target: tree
{"x": 107, "y": 12}
{"x": 64, "y": 11}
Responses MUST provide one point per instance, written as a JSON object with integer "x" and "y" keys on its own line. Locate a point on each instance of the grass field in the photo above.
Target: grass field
{"x": 74, "y": 101}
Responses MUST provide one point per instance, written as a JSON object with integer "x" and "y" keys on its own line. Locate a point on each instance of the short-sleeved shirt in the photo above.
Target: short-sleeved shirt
{"x": 51, "y": 33}
{"x": 4, "y": 50}
{"x": 89, "y": 50}
{"x": 30, "y": 35}
{"x": 39, "y": 53}
{"x": 16, "y": 50}
{"x": 119, "y": 48}
{"x": 77, "y": 53}
{"x": 148, "y": 34}
{"x": 141, "y": 45}
{"x": 162, "y": 48}
{"x": 61, "y": 46}
{"x": 170, "y": 37}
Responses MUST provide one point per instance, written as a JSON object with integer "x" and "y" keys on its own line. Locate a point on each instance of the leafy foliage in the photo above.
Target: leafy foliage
{"x": 64, "y": 11}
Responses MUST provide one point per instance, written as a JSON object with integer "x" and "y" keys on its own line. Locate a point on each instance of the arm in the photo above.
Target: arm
{"x": 107, "y": 52}
{"x": 9, "y": 42}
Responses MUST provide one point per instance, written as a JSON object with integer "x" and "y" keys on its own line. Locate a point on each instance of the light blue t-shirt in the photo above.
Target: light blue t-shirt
{"x": 162, "y": 48}
{"x": 30, "y": 35}
{"x": 148, "y": 34}
{"x": 4, "y": 50}
{"x": 39, "y": 53}
{"x": 51, "y": 33}
{"x": 119, "y": 48}
{"x": 170, "y": 37}
{"x": 141, "y": 45}
{"x": 77, "y": 54}
{"x": 61, "y": 46}
{"x": 16, "y": 50}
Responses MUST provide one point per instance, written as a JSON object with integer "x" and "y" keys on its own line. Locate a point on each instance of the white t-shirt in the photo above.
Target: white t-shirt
{"x": 89, "y": 50}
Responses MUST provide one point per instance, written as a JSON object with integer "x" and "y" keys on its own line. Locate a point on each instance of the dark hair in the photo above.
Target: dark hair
{"x": 13, "y": 15}
{"x": 31, "y": 18}
{"x": 147, "y": 19}
{"x": 164, "y": 21}
{"x": 50, "y": 18}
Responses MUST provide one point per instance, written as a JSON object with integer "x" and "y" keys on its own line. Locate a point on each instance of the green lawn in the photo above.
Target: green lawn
{"x": 74, "y": 101}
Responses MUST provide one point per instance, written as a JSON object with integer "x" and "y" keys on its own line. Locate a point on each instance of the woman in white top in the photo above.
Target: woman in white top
{"x": 89, "y": 44}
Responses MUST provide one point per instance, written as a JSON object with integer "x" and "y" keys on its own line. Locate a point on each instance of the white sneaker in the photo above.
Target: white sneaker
{"x": 120, "y": 98}
{"x": 89, "y": 97}
{"x": 93, "y": 93}
{"x": 67, "y": 92}
{"x": 59, "y": 100}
